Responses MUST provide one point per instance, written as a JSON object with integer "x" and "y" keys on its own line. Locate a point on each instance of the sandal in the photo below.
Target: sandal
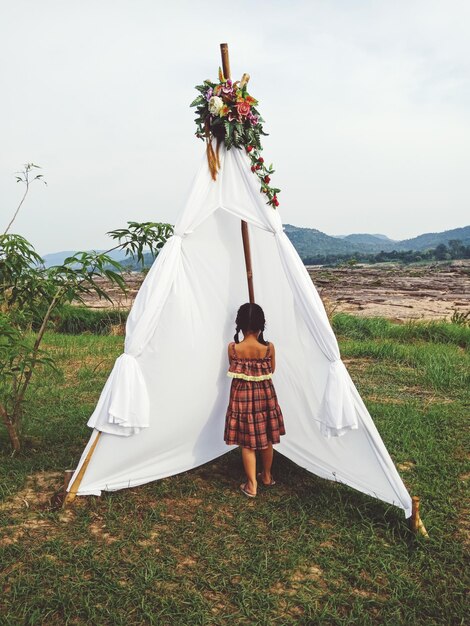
{"x": 260, "y": 479}
{"x": 247, "y": 493}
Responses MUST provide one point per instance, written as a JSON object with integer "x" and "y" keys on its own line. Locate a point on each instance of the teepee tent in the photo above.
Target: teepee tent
{"x": 163, "y": 406}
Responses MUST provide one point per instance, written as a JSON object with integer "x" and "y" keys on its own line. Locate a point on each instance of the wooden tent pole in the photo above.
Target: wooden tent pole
{"x": 416, "y": 522}
{"x": 70, "y": 497}
{"x": 245, "y": 234}
{"x": 246, "y": 250}
{"x": 225, "y": 60}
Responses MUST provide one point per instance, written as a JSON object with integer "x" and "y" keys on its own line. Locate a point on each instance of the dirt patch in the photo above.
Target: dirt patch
{"x": 184, "y": 508}
{"x": 371, "y": 595}
{"x": 359, "y": 364}
{"x": 311, "y": 575}
{"x": 37, "y": 494}
{"x": 118, "y": 329}
{"x": 406, "y": 466}
{"x": 286, "y": 609}
{"x": 151, "y": 541}
{"x": 186, "y": 563}
{"x": 398, "y": 292}
{"x": 218, "y": 602}
{"x": 99, "y": 530}
{"x": 391, "y": 290}
{"x": 311, "y": 572}
{"x": 222, "y": 517}
{"x": 28, "y": 506}
{"x": 34, "y": 527}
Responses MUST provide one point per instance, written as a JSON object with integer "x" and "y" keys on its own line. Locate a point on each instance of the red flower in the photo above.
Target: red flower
{"x": 258, "y": 167}
{"x": 243, "y": 108}
{"x": 253, "y": 168}
{"x": 249, "y": 148}
{"x": 267, "y": 179}
{"x": 261, "y": 160}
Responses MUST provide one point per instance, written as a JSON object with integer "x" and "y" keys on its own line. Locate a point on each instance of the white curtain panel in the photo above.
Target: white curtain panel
{"x": 162, "y": 409}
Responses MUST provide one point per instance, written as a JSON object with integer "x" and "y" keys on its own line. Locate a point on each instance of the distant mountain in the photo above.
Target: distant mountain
{"x": 310, "y": 242}
{"x": 369, "y": 240}
{"x": 57, "y": 258}
{"x": 432, "y": 240}
{"x": 365, "y": 236}
{"x": 379, "y": 236}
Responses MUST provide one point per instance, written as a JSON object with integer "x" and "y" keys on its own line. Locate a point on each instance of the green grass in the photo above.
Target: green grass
{"x": 190, "y": 550}
{"x": 81, "y": 319}
{"x": 411, "y": 331}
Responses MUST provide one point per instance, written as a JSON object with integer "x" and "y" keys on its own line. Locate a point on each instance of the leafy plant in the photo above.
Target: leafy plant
{"x": 138, "y": 236}
{"x": 462, "y": 318}
{"x": 30, "y": 293}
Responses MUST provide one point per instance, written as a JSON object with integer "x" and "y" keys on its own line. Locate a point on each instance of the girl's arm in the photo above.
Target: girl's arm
{"x": 229, "y": 351}
{"x": 273, "y": 357}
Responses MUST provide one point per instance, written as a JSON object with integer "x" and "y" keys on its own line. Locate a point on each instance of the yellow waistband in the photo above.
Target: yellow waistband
{"x": 246, "y": 377}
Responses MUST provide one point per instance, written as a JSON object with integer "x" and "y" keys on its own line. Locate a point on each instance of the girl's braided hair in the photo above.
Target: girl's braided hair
{"x": 250, "y": 316}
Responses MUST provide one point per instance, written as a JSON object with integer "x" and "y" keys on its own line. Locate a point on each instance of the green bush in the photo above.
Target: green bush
{"x": 75, "y": 320}
{"x": 351, "y": 327}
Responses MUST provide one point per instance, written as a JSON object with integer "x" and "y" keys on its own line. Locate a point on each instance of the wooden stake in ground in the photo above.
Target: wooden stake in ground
{"x": 416, "y": 523}
{"x": 70, "y": 497}
{"x": 245, "y": 234}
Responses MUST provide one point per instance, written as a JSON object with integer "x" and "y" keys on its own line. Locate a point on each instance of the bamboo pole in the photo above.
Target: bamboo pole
{"x": 67, "y": 478}
{"x": 70, "y": 497}
{"x": 416, "y": 523}
{"x": 244, "y": 225}
{"x": 246, "y": 250}
{"x": 225, "y": 60}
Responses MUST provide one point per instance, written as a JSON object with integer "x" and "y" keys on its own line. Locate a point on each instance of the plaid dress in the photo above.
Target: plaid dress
{"x": 254, "y": 418}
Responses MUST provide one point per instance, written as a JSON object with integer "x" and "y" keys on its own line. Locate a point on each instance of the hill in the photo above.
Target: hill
{"x": 57, "y": 258}
{"x": 428, "y": 241}
{"x": 369, "y": 240}
{"x": 310, "y": 242}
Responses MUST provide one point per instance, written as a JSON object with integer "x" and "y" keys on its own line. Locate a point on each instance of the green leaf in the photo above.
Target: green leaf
{"x": 228, "y": 130}
{"x": 197, "y": 101}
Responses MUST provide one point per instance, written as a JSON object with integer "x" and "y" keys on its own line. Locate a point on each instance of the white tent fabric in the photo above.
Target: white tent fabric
{"x": 162, "y": 409}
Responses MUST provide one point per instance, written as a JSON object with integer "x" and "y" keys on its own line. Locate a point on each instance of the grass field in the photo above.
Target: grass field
{"x": 191, "y": 550}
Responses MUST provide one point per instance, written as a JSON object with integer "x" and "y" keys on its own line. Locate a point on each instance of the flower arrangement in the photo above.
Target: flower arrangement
{"x": 226, "y": 111}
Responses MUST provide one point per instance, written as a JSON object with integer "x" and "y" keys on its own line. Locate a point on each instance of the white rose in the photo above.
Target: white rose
{"x": 215, "y": 104}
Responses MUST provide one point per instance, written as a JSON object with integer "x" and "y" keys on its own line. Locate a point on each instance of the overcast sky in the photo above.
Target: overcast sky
{"x": 367, "y": 104}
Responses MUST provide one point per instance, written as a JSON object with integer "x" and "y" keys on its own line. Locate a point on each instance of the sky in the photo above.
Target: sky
{"x": 367, "y": 106}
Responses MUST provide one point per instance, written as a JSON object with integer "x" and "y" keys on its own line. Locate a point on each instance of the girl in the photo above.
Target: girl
{"x": 254, "y": 419}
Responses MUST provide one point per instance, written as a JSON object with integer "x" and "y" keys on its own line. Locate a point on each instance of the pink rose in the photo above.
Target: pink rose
{"x": 243, "y": 108}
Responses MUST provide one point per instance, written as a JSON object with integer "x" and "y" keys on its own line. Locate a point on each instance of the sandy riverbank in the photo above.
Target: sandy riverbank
{"x": 398, "y": 292}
